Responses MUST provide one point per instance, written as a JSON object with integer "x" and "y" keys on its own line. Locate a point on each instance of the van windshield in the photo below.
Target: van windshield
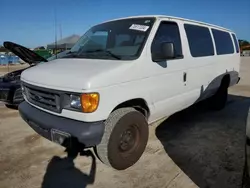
{"x": 119, "y": 39}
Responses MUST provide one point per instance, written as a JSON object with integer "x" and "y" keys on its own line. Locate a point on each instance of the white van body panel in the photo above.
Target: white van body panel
{"x": 160, "y": 85}
{"x": 78, "y": 74}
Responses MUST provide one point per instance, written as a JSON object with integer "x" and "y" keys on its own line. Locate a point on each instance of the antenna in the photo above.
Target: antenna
{"x": 55, "y": 31}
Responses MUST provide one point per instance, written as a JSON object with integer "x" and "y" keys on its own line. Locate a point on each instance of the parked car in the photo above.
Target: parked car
{"x": 123, "y": 75}
{"x": 10, "y": 88}
{"x": 246, "y": 172}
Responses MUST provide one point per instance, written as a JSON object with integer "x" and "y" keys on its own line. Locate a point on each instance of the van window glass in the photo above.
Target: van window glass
{"x": 99, "y": 39}
{"x": 167, "y": 32}
{"x": 236, "y": 43}
{"x": 115, "y": 40}
{"x": 199, "y": 40}
{"x": 121, "y": 39}
{"x": 223, "y": 42}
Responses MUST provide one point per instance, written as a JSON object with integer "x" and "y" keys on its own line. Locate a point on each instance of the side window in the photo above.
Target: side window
{"x": 236, "y": 43}
{"x": 199, "y": 40}
{"x": 167, "y": 32}
{"x": 223, "y": 42}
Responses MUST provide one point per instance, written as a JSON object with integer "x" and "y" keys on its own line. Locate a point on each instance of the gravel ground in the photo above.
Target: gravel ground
{"x": 195, "y": 147}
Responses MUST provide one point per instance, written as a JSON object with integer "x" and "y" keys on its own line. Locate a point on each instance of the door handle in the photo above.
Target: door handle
{"x": 184, "y": 77}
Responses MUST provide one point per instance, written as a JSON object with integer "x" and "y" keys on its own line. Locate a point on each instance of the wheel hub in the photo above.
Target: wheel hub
{"x": 128, "y": 139}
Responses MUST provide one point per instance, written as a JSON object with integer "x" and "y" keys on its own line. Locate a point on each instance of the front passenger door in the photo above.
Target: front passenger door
{"x": 169, "y": 76}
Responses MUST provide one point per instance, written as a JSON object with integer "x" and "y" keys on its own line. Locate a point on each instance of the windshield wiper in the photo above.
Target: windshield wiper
{"x": 106, "y": 51}
{"x": 70, "y": 52}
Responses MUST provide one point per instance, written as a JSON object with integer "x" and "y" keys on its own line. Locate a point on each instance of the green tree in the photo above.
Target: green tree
{"x": 243, "y": 42}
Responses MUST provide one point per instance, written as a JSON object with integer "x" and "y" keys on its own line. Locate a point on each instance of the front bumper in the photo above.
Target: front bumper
{"x": 11, "y": 94}
{"x": 87, "y": 133}
{"x": 4, "y": 93}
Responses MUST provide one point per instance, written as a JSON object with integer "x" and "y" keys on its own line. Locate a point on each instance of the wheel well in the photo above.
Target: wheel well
{"x": 225, "y": 80}
{"x": 138, "y": 104}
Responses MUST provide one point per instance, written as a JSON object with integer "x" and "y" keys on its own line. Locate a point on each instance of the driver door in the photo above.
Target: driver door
{"x": 168, "y": 77}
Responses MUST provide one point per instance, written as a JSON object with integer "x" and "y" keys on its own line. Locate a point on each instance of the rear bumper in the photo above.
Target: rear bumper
{"x": 88, "y": 134}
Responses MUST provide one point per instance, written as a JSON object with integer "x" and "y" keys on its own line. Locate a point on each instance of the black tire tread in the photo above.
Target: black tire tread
{"x": 110, "y": 123}
{"x": 218, "y": 101}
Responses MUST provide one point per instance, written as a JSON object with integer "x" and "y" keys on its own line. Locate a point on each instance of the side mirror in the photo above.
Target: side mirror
{"x": 166, "y": 52}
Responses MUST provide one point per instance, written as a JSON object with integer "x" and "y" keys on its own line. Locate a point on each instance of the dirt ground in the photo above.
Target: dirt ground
{"x": 6, "y": 68}
{"x": 193, "y": 148}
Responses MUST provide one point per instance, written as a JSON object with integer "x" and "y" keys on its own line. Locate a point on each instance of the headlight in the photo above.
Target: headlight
{"x": 87, "y": 102}
{"x": 75, "y": 102}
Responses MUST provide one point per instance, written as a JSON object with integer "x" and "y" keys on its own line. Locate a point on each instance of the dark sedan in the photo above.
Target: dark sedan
{"x": 10, "y": 88}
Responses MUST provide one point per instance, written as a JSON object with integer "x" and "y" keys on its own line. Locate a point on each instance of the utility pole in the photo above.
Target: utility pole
{"x": 60, "y": 27}
{"x": 55, "y": 30}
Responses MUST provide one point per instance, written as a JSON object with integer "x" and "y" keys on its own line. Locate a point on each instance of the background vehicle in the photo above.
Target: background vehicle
{"x": 125, "y": 74}
{"x": 10, "y": 88}
{"x": 246, "y": 173}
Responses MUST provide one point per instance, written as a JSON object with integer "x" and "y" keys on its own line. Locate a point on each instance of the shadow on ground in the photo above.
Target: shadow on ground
{"x": 61, "y": 172}
{"x": 208, "y": 145}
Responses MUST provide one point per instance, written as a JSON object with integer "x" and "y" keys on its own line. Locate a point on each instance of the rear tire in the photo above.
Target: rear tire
{"x": 219, "y": 100}
{"x": 124, "y": 140}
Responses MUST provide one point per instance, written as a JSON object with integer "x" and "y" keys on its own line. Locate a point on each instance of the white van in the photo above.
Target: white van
{"x": 125, "y": 74}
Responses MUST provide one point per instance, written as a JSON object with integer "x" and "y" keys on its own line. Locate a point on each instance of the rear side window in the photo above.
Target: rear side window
{"x": 167, "y": 32}
{"x": 199, "y": 40}
{"x": 223, "y": 42}
{"x": 236, "y": 44}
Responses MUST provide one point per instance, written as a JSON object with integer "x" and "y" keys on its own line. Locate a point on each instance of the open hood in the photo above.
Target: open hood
{"x": 24, "y": 53}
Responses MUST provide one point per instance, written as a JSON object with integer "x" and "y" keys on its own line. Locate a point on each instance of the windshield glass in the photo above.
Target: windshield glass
{"x": 59, "y": 55}
{"x": 120, "y": 39}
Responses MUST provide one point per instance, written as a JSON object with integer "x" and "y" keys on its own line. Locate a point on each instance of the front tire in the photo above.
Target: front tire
{"x": 124, "y": 140}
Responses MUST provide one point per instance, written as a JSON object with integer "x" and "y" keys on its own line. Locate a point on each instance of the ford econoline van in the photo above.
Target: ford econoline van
{"x": 125, "y": 74}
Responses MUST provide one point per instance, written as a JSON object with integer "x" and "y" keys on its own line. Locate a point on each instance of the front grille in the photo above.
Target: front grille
{"x": 42, "y": 97}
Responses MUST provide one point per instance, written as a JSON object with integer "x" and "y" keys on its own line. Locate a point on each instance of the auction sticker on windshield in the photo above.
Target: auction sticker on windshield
{"x": 139, "y": 27}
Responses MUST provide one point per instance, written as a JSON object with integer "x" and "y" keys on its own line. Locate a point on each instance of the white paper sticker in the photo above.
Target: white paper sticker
{"x": 139, "y": 27}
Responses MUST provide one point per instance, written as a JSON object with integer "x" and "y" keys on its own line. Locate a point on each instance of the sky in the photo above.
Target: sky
{"x": 32, "y": 23}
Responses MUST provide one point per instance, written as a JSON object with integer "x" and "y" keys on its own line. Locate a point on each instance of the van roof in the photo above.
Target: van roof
{"x": 173, "y": 18}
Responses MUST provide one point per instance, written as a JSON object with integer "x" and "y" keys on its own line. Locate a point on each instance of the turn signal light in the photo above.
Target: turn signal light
{"x": 89, "y": 102}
